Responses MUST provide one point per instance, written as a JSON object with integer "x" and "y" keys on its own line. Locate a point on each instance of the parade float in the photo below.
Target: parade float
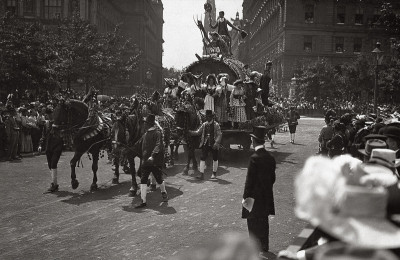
{"x": 218, "y": 60}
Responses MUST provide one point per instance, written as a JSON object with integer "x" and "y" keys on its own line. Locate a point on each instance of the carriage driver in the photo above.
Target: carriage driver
{"x": 211, "y": 136}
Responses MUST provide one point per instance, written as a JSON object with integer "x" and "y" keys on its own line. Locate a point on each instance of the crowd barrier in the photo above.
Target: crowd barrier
{"x": 320, "y": 112}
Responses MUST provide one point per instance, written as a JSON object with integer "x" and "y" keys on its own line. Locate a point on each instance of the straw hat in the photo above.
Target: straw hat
{"x": 353, "y": 213}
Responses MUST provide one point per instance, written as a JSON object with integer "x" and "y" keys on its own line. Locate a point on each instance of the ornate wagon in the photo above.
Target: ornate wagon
{"x": 236, "y": 70}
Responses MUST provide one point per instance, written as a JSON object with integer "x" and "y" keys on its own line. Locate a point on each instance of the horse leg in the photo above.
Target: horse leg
{"x": 171, "y": 147}
{"x": 134, "y": 187}
{"x": 176, "y": 150}
{"x": 74, "y": 160}
{"x": 193, "y": 157}
{"x": 95, "y": 167}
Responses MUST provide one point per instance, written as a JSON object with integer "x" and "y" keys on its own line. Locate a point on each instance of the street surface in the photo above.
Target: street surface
{"x": 78, "y": 224}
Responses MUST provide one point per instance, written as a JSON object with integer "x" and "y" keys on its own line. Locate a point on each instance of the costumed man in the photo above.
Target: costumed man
{"x": 152, "y": 151}
{"x": 251, "y": 94}
{"x": 210, "y": 140}
{"x": 222, "y": 25}
{"x": 264, "y": 83}
{"x": 170, "y": 93}
{"x": 258, "y": 198}
{"x": 52, "y": 140}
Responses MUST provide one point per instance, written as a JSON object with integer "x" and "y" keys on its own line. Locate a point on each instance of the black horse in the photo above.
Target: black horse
{"x": 90, "y": 133}
{"x": 126, "y": 131}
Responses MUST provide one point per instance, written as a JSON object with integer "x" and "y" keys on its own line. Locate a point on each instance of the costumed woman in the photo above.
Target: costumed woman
{"x": 221, "y": 99}
{"x": 209, "y": 89}
{"x": 237, "y": 104}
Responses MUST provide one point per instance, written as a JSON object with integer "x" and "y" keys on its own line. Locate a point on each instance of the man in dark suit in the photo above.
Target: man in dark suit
{"x": 152, "y": 151}
{"x": 258, "y": 189}
{"x": 264, "y": 83}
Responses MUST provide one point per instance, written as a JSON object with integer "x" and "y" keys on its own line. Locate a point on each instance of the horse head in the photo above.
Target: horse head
{"x": 61, "y": 114}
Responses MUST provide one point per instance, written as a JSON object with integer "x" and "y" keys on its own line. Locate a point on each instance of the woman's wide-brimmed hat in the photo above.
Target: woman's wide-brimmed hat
{"x": 259, "y": 133}
{"x": 237, "y": 82}
{"x": 334, "y": 195}
{"x": 169, "y": 82}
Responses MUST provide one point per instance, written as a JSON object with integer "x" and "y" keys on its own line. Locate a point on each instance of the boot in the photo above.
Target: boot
{"x": 202, "y": 167}
{"x": 186, "y": 170}
{"x": 53, "y": 188}
{"x": 143, "y": 194}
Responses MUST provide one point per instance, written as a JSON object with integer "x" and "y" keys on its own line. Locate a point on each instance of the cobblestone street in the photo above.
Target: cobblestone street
{"x": 78, "y": 224}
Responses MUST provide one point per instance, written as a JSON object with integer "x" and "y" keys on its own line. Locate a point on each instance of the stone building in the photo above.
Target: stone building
{"x": 142, "y": 20}
{"x": 286, "y": 31}
{"x": 235, "y": 36}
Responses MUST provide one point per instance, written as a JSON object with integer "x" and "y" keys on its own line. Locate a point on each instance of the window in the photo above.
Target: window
{"x": 376, "y": 16}
{"x": 339, "y": 44}
{"x": 359, "y": 16}
{"x": 341, "y": 14}
{"x": 309, "y": 14}
{"x": 357, "y": 46}
{"x": 11, "y": 6}
{"x": 307, "y": 43}
{"x": 29, "y": 7}
{"x": 52, "y": 9}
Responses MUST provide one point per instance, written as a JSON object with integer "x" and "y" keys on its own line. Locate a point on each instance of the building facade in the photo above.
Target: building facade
{"x": 286, "y": 31}
{"x": 141, "y": 20}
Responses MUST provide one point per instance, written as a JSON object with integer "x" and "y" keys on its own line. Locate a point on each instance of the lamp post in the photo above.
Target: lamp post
{"x": 292, "y": 87}
{"x": 378, "y": 57}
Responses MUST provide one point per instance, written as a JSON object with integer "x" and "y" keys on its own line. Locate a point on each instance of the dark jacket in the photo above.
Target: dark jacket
{"x": 152, "y": 146}
{"x": 259, "y": 183}
{"x": 52, "y": 138}
{"x": 264, "y": 85}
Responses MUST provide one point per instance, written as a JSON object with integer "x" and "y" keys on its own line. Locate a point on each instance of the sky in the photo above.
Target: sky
{"x": 181, "y": 35}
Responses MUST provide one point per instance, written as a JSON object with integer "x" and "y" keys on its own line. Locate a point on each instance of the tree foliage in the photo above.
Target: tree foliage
{"x": 34, "y": 55}
{"x": 171, "y": 73}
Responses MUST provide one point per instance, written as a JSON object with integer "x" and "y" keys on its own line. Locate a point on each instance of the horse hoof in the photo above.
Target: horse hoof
{"x": 115, "y": 181}
{"x": 132, "y": 193}
{"x": 93, "y": 187}
{"x": 186, "y": 171}
{"x": 74, "y": 184}
{"x": 172, "y": 163}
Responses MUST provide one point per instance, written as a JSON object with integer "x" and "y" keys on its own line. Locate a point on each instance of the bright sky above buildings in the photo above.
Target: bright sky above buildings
{"x": 181, "y": 35}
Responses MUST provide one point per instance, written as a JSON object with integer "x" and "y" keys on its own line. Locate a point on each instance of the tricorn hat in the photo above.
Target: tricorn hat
{"x": 151, "y": 119}
{"x": 259, "y": 133}
{"x": 209, "y": 112}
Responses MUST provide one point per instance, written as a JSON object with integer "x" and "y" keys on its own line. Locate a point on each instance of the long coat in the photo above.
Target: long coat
{"x": 151, "y": 144}
{"x": 259, "y": 183}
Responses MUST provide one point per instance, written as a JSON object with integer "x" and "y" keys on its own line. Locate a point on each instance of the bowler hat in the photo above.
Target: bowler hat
{"x": 151, "y": 119}
{"x": 209, "y": 113}
{"x": 375, "y": 136}
{"x": 259, "y": 133}
{"x": 391, "y": 131}
{"x": 372, "y": 144}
